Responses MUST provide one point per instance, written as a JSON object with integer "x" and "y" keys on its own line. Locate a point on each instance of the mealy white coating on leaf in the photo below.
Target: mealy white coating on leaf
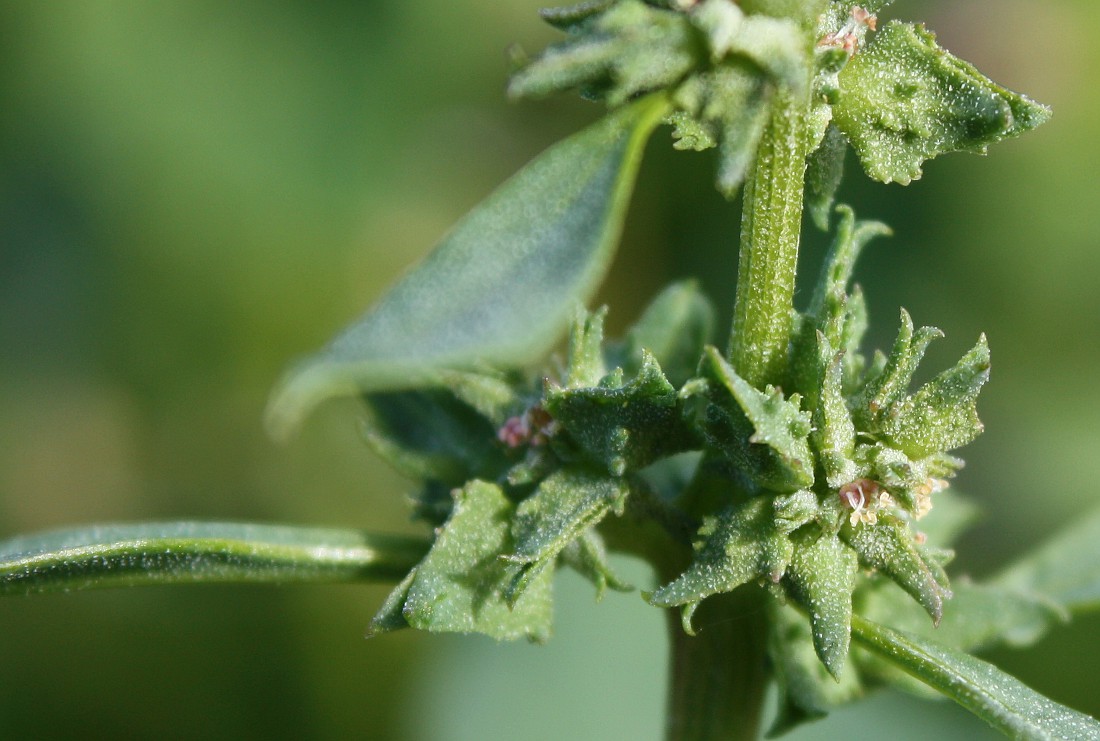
{"x": 822, "y": 577}
{"x": 735, "y": 547}
{"x": 905, "y": 100}
{"x": 462, "y": 585}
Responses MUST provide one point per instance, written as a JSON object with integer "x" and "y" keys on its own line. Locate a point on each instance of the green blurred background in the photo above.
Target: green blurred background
{"x": 193, "y": 193}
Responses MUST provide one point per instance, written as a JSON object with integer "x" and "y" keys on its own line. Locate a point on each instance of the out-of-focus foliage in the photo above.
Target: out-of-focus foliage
{"x": 191, "y": 194}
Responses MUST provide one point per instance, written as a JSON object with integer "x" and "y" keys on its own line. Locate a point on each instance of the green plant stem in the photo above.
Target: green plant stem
{"x": 770, "y": 226}
{"x": 719, "y": 676}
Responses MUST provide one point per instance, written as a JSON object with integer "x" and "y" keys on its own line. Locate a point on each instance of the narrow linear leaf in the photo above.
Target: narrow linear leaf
{"x": 824, "y": 171}
{"x": 586, "y": 363}
{"x": 998, "y": 698}
{"x": 200, "y": 552}
{"x": 500, "y": 288}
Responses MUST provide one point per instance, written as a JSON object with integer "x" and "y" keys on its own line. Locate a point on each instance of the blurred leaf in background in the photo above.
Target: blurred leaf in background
{"x": 191, "y": 194}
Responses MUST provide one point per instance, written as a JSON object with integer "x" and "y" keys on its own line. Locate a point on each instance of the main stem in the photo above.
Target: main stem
{"x": 720, "y": 675}
{"x": 770, "y": 226}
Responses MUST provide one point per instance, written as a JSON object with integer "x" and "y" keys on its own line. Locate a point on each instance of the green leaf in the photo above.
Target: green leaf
{"x": 942, "y": 415}
{"x": 888, "y": 546}
{"x": 587, "y": 555}
{"x": 624, "y": 426}
{"x": 979, "y": 616}
{"x": 616, "y": 53}
{"x": 821, "y": 577}
{"x": 571, "y": 15}
{"x": 834, "y": 434}
{"x": 807, "y": 690}
{"x": 586, "y": 366}
{"x": 391, "y": 616}
{"x": 887, "y": 388}
{"x": 741, "y": 544}
{"x": 729, "y": 104}
{"x": 905, "y": 100}
{"x": 1065, "y": 569}
{"x": 826, "y": 350}
{"x": 805, "y": 12}
{"x": 563, "y": 507}
{"x": 500, "y": 288}
{"x": 461, "y": 586}
{"x": 764, "y": 434}
{"x": 824, "y": 171}
{"x": 777, "y": 45}
{"x": 994, "y": 696}
{"x": 200, "y": 552}
{"x": 430, "y": 435}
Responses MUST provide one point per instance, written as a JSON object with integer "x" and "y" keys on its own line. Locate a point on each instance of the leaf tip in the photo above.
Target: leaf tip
{"x": 296, "y": 394}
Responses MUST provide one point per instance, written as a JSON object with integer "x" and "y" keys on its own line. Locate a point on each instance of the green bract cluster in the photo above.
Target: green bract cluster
{"x": 786, "y": 462}
{"x": 811, "y": 493}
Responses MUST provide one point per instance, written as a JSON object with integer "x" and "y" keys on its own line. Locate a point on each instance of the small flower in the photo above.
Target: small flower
{"x": 865, "y": 498}
{"x": 922, "y": 496}
{"x": 847, "y": 36}
{"x": 534, "y": 427}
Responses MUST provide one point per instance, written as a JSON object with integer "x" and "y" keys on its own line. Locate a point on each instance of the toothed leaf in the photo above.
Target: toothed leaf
{"x": 735, "y": 547}
{"x": 561, "y": 509}
{"x": 943, "y": 414}
{"x": 888, "y": 547}
{"x": 764, "y": 434}
{"x": 905, "y": 100}
{"x": 626, "y": 49}
{"x": 887, "y": 387}
{"x": 461, "y": 585}
{"x": 624, "y": 426}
